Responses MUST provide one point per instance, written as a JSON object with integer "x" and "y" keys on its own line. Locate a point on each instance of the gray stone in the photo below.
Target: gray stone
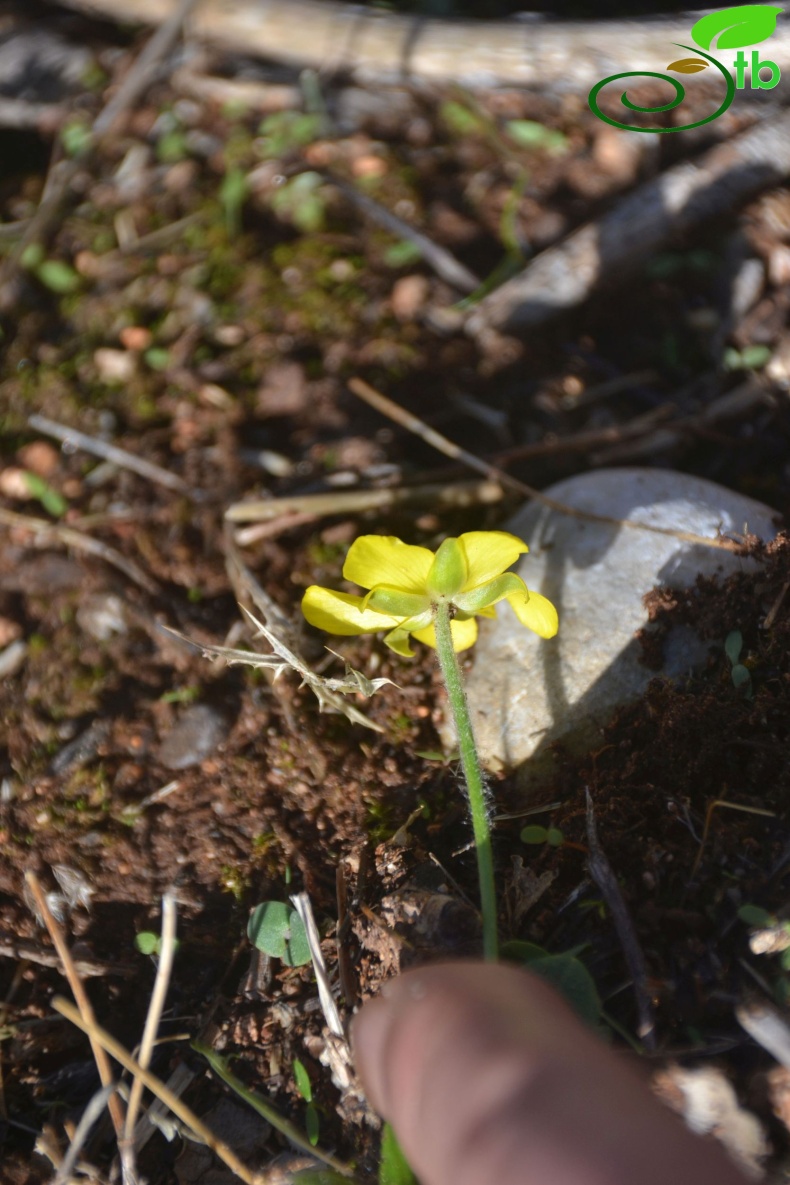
{"x": 196, "y": 735}
{"x": 526, "y": 692}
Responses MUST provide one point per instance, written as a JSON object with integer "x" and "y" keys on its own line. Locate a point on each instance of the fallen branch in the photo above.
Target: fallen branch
{"x": 370, "y": 45}
{"x": 610, "y": 248}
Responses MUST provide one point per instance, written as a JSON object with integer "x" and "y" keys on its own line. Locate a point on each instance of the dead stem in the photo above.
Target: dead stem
{"x": 414, "y": 424}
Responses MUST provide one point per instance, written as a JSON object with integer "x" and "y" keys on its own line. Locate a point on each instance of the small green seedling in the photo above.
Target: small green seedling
{"x": 76, "y": 137}
{"x": 750, "y": 358}
{"x": 402, "y": 254}
{"x": 277, "y": 930}
{"x": 304, "y": 1086}
{"x": 741, "y": 676}
{"x": 59, "y": 277}
{"x": 233, "y": 194}
{"x": 149, "y": 943}
{"x": 536, "y": 834}
{"x": 301, "y": 202}
{"x": 529, "y": 134}
{"x": 285, "y": 131}
{"x": 50, "y": 499}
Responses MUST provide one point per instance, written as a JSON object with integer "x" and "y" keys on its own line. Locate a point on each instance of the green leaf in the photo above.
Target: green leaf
{"x": 534, "y": 834}
{"x": 461, "y": 120}
{"x": 302, "y": 1079}
{"x": 554, "y": 837}
{"x": 573, "y": 981}
{"x": 519, "y": 951}
{"x": 733, "y": 645}
{"x": 157, "y": 358}
{"x": 277, "y": 930}
{"x": 58, "y": 276}
{"x": 745, "y": 24}
{"x": 147, "y": 942}
{"x": 300, "y": 201}
{"x": 393, "y": 1166}
{"x": 753, "y": 915}
{"x": 741, "y": 676}
{"x": 75, "y": 136}
{"x": 529, "y": 134}
{"x": 402, "y": 254}
{"x": 751, "y": 358}
{"x": 32, "y": 256}
{"x": 312, "y": 1124}
{"x": 50, "y": 499}
{"x": 232, "y": 194}
{"x": 172, "y": 147}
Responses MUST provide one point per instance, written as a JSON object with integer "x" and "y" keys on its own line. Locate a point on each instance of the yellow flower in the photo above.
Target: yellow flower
{"x": 407, "y": 582}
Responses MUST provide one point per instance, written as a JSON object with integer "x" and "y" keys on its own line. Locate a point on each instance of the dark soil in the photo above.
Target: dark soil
{"x": 221, "y": 352}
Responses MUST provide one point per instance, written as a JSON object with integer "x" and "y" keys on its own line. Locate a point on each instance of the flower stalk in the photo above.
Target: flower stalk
{"x": 436, "y": 597}
{"x": 473, "y": 775}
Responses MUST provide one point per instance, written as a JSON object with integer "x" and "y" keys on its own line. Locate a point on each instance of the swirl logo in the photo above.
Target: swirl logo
{"x": 729, "y": 28}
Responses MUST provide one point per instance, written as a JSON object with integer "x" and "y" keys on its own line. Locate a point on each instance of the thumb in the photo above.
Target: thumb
{"x": 486, "y": 1075}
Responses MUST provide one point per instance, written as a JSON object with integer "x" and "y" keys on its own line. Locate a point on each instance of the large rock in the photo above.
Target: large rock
{"x": 526, "y": 692}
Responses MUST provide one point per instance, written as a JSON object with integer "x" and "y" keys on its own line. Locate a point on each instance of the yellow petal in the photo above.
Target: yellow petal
{"x": 342, "y": 613}
{"x": 489, "y": 553}
{"x": 384, "y": 559}
{"x": 464, "y": 634}
{"x": 536, "y": 614}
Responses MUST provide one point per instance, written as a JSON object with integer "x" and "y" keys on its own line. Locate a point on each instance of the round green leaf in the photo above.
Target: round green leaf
{"x": 573, "y": 981}
{"x": 147, "y": 942}
{"x": 534, "y": 834}
{"x": 519, "y": 951}
{"x": 277, "y": 930}
{"x": 753, "y": 915}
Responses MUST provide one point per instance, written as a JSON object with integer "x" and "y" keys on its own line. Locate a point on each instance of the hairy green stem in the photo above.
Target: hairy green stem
{"x": 448, "y": 661}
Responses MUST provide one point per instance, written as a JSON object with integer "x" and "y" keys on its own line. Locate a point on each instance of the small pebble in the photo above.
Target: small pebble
{"x": 114, "y": 366}
{"x": 39, "y": 457}
{"x": 196, "y": 735}
{"x": 12, "y": 659}
{"x": 135, "y": 338}
{"x": 409, "y": 295}
{"x": 10, "y": 630}
{"x": 13, "y": 484}
{"x": 101, "y": 616}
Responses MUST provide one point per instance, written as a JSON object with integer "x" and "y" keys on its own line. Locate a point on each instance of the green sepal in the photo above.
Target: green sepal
{"x": 398, "y": 639}
{"x": 395, "y": 601}
{"x": 489, "y": 593}
{"x": 449, "y": 570}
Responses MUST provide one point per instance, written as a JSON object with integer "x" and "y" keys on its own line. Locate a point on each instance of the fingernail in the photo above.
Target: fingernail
{"x": 369, "y": 1036}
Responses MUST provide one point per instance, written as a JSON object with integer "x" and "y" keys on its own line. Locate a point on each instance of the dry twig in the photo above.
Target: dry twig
{"x": 46, "y": 533}
{"x": 85, "y": 1013}
{"x": 108, "y": 1045}
{"x": 601, "y": 872}
{"x": 108, "y": 452}
{"x": 414, "y": 424}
